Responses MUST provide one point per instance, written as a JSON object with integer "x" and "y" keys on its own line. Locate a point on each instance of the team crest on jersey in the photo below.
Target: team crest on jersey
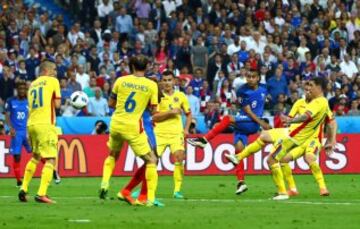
{"x": 176, "y": 99}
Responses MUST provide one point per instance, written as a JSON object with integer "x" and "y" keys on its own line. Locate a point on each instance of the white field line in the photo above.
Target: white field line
{"x": 79, "y": 220}
{"x": 293, "y": 201}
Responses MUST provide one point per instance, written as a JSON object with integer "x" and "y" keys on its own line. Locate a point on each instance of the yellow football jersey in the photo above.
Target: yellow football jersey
{"x": 133, "y": 95}
{"x": 172, "y": 125}
{"x": 41, "y": 95}
{"x": 318, "y": 109}
{"x": 299, "y": 108}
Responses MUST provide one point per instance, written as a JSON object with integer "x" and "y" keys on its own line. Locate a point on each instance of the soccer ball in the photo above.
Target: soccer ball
{"x": 79, "y": 99}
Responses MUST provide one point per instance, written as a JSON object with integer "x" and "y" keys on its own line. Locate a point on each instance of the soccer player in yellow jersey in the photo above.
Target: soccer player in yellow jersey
{"x": 271, "y": 137}
{"x": 311, "y": 148}
{"x": 43, "y": 97}
{"x": 130, "y": 96}
{"x": 169, "y": 129}
{"x": 312, "y": 119}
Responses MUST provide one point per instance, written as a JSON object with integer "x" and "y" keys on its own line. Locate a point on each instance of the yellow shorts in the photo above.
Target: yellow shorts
{"x": 278, "y": 133}
{"x": 312, "y": 146}
{"x": 175, "y": 142}
{"x": 44, "y": 140}
{"x": 283, "y": 147}
{"x": 137, "y": 141}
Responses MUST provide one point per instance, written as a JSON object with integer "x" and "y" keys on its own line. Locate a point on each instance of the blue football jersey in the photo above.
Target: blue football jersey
{"x": 19, "y": 111}
{"x": 254, "y": 98}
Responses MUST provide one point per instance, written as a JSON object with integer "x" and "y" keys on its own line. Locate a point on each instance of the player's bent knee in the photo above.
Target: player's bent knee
{"x": 265, "y": 136}
{"x": 36, "y": 156}
{"x": 309, "y": 158}
{"x": 115, "y": 154}
{"x": 179, "y": 156}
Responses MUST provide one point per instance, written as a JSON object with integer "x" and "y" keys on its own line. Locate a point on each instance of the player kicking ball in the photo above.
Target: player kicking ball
{"x": 169, "y": 129}
{"x": 273, "y": 135}
{"x": 316, "y": 113}
{"x": 43, "y": 97}
{"x": 17, "y": 111}
{"x": 251, "y": 98}
{"x": 130, "y": 96}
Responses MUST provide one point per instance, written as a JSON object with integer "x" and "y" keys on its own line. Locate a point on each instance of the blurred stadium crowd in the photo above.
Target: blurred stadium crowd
{"x": 210, "y": 46}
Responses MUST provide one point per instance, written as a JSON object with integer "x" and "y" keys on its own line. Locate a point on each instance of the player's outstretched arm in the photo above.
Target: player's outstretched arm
{"x": 256, "y": 119}
{"x": 161, "y": 116}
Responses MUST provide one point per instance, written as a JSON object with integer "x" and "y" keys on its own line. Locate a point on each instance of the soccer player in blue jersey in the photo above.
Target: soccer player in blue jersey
{"x": 251, "y": 99}
{"x": 17, "y": 110}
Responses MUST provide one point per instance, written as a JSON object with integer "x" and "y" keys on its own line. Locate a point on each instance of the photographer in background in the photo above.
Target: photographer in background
{"x": 100, "y": 128}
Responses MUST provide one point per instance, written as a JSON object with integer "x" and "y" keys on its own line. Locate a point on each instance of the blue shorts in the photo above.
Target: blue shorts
{"x": 18, "y": 141}
{"x": 243, "y": 128}
{"x": 149, "y": 130}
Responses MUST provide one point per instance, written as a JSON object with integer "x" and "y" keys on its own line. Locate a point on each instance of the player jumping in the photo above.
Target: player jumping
{"x": 251, "y": 98}
{"x": 43, "y": 97}
{"x": 17, "y": 111}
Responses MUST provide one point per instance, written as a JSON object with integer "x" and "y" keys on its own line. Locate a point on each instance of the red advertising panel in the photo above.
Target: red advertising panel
{"x": 84, "y": 156}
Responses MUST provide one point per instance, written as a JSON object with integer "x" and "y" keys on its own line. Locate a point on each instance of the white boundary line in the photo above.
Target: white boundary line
{"x": 292, "y": 201}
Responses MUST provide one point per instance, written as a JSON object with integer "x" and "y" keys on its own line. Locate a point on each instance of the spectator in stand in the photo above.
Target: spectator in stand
{"x": 81, "y": 77}
{"x": 65, "y": 91}
{"x": 21, "y": 73}
{"x": 90, "y": 91}
{"x": 124, "y": 24}
{"x": 7, "y": 86}
{"x": 348, "y": 67}
{"x": 277, "y": 85}
{"x": 197, "y": 82}
{"x": 98, "y": 105}
{"x": 194, "y": 101}
{"x": 73, "y": 85}
{"x": 341, "y": 108}
{"x": 103, "y": 11}
{"x": 199, "y": 54}
{"x": 215, "y": 66}
{"x": 354, "y": 110}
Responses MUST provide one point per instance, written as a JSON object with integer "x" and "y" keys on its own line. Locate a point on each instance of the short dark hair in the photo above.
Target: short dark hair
{"x": 139, "y": 62}
{"x": 167, "y": 73}
{"x": 20, "y": 83}
{"x": 319, "y": 81}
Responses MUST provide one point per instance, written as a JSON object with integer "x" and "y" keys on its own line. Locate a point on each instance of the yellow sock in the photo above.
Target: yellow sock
{"x": 29, "y": 172}
{"x": 278, "y": 177}
{"x": 151, "y": 176}
{"x": 46, "y": 177}
{"x": 178, "y": 176}
{"x": 250, "y": 149}
{"x": 109, "y": 165}
{"x": 285, "y": 167}
{"x": 318, "y": 175}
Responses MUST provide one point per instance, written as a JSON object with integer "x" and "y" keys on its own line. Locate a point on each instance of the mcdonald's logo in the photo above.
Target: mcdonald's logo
{"x": 69, "y": 150}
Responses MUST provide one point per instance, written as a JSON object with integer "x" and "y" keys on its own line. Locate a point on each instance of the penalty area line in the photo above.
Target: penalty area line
{"x": 291, "y": 201}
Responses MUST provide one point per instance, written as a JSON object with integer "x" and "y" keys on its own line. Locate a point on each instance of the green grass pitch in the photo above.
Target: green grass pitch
{"x": 211, "y": 203}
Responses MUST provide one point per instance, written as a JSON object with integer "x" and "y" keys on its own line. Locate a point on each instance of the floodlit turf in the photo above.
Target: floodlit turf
{"x": 211, "y": 203}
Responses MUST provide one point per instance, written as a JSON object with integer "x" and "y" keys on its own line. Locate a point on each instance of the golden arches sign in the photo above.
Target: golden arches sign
{"x": 69, "y": 150}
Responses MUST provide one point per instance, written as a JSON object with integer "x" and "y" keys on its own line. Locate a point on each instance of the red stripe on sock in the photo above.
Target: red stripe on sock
{"x": 136, "y": 179}
{"x": 219, "y": 128}
{"x": 16, "y": 167}
{"x": 239, "y": 171}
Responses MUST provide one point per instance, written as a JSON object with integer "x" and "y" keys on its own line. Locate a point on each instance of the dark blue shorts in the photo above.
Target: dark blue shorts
{"x": 17, "y": 142}
{"x": 243, "y": 128}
